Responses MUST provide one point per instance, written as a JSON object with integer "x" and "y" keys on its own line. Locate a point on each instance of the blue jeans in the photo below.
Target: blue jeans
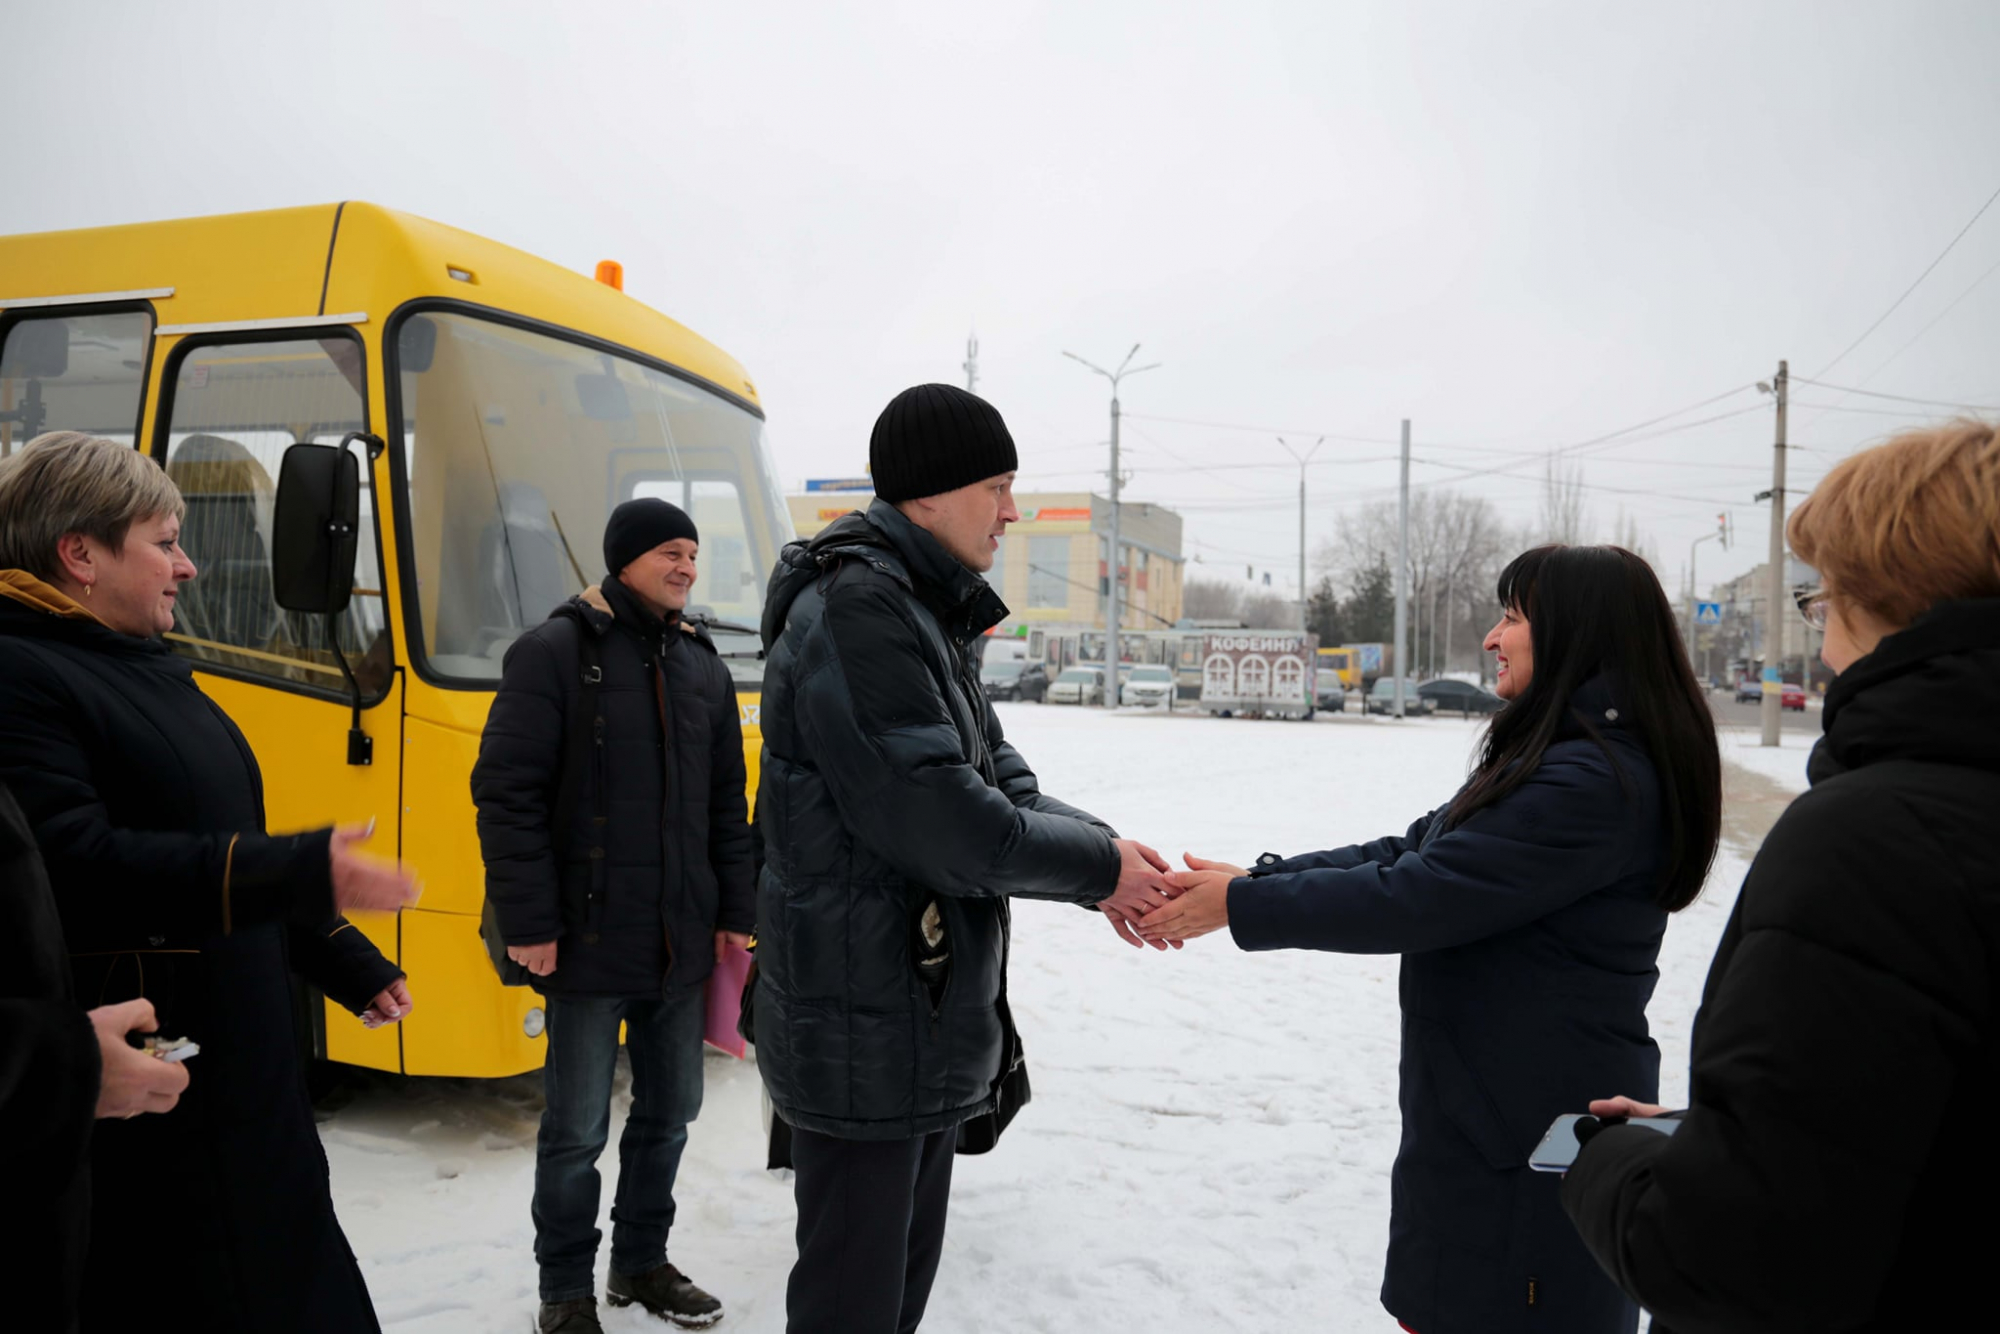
{"x": 663, "y": 1040}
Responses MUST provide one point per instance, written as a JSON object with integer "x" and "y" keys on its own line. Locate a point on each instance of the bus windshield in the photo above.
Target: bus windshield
{"x": 517, "y": 444}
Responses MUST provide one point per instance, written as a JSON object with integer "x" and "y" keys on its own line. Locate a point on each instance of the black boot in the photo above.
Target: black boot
{"x": 577, "y": 1316}
{"x": 667, "y": 1293}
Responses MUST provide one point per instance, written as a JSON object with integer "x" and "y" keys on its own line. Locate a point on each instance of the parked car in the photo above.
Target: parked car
{"x": 1792, "y": 697}
{"x": 1328, "y": 696}
{"x": 1078, "y": 685}
{"x": 1014, "y": 679}
{"x": 1462, "y": 697}
{"x": 1749, "y": 690}
{"x": 1146, "y": 686}
{"x": 1382, "y": 698}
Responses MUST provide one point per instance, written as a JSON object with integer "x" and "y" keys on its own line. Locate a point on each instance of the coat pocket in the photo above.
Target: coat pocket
{"x": 1462, "y": 1097}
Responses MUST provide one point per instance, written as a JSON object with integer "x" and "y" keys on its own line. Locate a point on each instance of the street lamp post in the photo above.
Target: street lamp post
{"x": 1113, "y": 612}
{"x": 1693, "y": 604}
{"x": 1303, "y": 459}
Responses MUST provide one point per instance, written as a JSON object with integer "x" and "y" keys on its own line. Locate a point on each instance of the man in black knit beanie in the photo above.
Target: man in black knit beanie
{"x": 899, "y": 824}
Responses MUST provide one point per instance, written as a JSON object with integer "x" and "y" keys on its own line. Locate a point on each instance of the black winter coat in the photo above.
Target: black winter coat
{"x": 666, "y": 771}
{"x": 49, "y": 1068}
{"x": 1836, "y": 1170}
{"x": 887, "y": 787}
{"x": 148, "y": 808}
{"x": 1529, "y": 935}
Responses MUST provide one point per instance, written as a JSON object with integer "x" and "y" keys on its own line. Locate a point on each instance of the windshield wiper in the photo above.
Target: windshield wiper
{"x": 732, "y": 628}
{"x": 728, "y": 627}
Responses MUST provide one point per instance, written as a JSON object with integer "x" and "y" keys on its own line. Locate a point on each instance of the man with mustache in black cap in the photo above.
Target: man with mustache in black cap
{"x": 610, "y": 787}
{"x": 898, "y": 824}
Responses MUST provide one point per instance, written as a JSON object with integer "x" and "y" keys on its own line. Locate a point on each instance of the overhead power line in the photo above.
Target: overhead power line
{"x": 1901, "y": 398}
{"x": 1936, "y": 320}
{"x": 1264, "y": 430}
{"x": 1911, "y": 288}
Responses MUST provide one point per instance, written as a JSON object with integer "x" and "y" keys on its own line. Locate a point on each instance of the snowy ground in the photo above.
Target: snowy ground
{"x": 1784, "y": 764}
{"x": 1209, "y": 1144}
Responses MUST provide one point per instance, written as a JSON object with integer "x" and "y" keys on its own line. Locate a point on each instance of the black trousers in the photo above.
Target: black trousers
{"x": 871, "y": 1228}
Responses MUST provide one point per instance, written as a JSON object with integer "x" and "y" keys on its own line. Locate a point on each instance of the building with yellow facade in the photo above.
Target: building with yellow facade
{"x": 1051, "y": 570}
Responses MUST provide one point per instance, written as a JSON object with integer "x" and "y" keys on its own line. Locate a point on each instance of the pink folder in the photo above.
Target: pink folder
{"x": 725, "y": 1001}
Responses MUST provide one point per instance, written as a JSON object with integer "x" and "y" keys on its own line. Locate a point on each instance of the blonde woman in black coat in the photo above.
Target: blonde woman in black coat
{"x": 147, "y": 807}
{"x": 1834, "y": 1166}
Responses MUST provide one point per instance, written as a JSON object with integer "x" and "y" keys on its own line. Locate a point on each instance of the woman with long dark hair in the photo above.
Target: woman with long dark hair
{"x": 1528, "y": 911}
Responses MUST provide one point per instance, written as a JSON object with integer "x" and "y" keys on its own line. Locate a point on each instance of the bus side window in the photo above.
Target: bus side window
{"x": 72, "y": 372}
{"x": 236, "y": 408}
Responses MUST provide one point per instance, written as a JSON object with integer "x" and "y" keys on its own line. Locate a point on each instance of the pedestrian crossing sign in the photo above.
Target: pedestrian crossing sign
{"x": 1708, "y": 613}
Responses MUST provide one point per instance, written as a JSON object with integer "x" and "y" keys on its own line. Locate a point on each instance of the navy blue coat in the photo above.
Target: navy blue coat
{"x": 1529, "y": 935}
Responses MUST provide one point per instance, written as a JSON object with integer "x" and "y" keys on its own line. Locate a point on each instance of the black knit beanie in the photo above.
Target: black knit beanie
{"x": 936, "y": 438}
{"x": 637, "y": 526}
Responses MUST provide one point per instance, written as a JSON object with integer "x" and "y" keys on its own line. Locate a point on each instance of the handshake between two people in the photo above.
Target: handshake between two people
{"x": 1153, "y": 904}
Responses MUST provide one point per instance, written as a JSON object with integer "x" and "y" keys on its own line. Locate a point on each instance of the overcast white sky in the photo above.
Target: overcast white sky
{"x": 1519, "y": 225}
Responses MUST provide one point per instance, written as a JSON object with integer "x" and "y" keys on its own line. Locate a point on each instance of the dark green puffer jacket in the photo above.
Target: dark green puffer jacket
{"x": 887, "y": 787}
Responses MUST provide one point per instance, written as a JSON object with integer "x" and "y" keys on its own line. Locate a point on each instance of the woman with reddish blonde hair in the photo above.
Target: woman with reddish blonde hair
{"x": 1848, "y": 1045}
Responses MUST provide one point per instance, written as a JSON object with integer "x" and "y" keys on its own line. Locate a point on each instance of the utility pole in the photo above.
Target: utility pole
{"x": 1774, "y": 593}
{"x": 1303, "y": 460}
{"x": 971, "y": 366}
{"x": 1113, "y": 614}
{"x": 1403, "y": 571}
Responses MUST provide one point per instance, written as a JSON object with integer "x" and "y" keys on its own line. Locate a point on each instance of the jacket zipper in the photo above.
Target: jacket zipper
{"x": 669, "y": 862}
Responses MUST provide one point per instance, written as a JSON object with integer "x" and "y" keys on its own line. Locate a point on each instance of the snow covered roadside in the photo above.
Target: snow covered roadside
{"x": 1210, "y": 1138}
{"x": 1784, "y": 764}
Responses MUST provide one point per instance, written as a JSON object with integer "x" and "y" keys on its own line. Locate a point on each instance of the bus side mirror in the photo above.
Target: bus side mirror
{"x": 316, "y": 524}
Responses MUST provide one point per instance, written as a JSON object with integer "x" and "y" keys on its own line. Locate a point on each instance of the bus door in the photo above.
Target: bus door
{"x": 230, "y": 406}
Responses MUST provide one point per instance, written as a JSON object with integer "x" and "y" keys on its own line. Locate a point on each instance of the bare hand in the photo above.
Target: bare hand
{"x": 537, "y": 959}
{"x": 1624, "y": 1106}
{"x": 362, "y": 883}
{"x": 725, "y": 939}
{"x": 390, "y": 1005}
{"x": 1201, "y": 906}
{"x": 133, "y": 1082}
{"x": 1203, "y": 864}
{"x": 1142, "y": 886}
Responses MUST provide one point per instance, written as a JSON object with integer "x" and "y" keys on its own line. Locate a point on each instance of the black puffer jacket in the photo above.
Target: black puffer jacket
{"x": 667, "y": 770}
{"x": 887, "y": 786}
{"x": 1836, "y": 1160}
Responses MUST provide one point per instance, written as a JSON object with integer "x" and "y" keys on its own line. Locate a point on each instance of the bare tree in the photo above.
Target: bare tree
{"x": 1640, "y": 543}
{"x": 1208, "y": 600}
{"x": 1457, "y": 546}
{"x": 1564, "y": 518}
{"x": 1268, "y": 611}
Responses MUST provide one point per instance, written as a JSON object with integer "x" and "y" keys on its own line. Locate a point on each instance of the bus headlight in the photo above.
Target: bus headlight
{"x": 535, "y": 1022}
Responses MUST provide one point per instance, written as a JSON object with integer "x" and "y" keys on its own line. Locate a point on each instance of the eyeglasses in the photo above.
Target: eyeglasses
{"x": 1812, "y": 603}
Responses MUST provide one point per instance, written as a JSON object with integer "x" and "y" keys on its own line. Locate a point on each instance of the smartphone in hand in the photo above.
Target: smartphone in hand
{"x": 1558, "y": 1149}
{"x": 171, "y": 1050}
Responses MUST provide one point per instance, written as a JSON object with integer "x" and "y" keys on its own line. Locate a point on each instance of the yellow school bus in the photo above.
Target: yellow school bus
{"x": 496, "y": 407}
